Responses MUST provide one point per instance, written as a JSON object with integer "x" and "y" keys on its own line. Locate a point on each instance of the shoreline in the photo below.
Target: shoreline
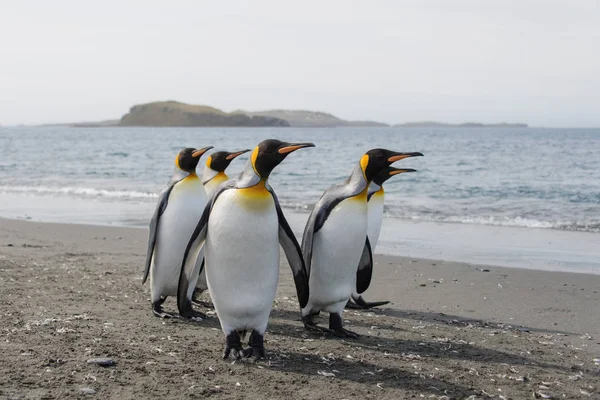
{"x": 73, "y": 292}
{"x": 492, "y": 245}
{"x": 390, "y": 272}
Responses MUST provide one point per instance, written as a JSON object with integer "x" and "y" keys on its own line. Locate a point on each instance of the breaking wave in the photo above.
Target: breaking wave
{"x": 78, "y": 192}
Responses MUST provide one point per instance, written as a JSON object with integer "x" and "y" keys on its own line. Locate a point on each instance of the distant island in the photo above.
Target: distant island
{"x": 175, "y": 113}
{"x": 108, "y": 122}
{"x": 432, "y": 124}
{"x": 305, "y": 118}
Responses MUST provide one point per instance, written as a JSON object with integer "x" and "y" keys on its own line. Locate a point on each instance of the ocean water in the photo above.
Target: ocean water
{"x": 541, "y": 180}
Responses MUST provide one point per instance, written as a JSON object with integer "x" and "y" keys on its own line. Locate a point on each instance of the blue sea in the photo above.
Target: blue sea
{"x": 516, "y": 197}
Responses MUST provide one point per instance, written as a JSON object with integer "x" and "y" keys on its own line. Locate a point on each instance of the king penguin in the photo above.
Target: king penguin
{"x": 213, "y": 175}
{"x": 335, "y": 242}
{"x": 179, "y": 206}
{"x": 375, "y": 202}
{"x": 241, "y": 229}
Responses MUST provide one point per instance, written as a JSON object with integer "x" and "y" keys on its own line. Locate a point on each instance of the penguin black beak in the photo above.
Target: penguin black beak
{"x": 401, "y": 171}
{"x": 234, "y": 155}
{"x": 199, "y": 152}
{"x": 290, "y": 147}
{"x": 401, "y": 156}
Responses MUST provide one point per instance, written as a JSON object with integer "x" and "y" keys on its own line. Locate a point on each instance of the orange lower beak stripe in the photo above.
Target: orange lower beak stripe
{"x": 397, "y": 158}
{"x": 234, "y": 155}
{"x": 400, "y": 171}
{"x": 289, "y": 149}
{"x": 198, "y": 153}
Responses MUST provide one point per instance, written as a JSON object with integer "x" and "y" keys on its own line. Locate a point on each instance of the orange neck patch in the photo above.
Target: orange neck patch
{"x": 191, "y": 176}
{"x": 362, "y": 195}
{"x": 257, "y": 191}
{"x": 380, "y": 192}
{"x": 256, "y": 198}
{"x": 220, "y": 177}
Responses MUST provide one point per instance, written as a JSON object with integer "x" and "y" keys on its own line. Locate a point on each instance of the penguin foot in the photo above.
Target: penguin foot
{"x": 352, "y": 305}
{"x": 309, "y": 324}
{"x": 205, "y": 304}
{"x": 344, "y": 333}
{"x": 257, "y": 347}
{"x": 258, "y": 352}
{"x": 233, "y": 347}
{"x": 360, "y": 304}
{"x": 190, "y": 313}
{"x": 374, "y": 304}
{"x": 336, "y": 329}
{"x": 200, "y": 303}
{"x": 157, "y": 310}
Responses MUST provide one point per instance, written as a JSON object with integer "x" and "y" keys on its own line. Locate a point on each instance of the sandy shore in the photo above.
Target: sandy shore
{"x": 73, "y": 292}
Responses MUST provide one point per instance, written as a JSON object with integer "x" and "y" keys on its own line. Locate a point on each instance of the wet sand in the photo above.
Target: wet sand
{"x": 73, "y": 293}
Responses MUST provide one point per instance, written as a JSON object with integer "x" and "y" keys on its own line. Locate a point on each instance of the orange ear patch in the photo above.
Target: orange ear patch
{"x": 364, "y": 162}
{"x": 253, "y": 158}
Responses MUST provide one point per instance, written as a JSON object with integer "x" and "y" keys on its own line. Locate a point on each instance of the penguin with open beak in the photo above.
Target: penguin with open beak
{"x": 240, "y": 231}
{"x": 335, "y": 242}
{"x": 179, "y": 206}
{"x": 375, "y": 199}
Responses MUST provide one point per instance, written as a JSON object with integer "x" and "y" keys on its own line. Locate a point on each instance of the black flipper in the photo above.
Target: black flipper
{"x": 188, "y": 266}
{"x": 292, "y": 250}
{"x": 163, "y": 199}
{"x": 365, "y": 269}
{"x": 198, "y": 292}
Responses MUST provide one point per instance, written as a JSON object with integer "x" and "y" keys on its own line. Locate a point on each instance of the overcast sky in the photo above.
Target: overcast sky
{"x": 394, "y": 61}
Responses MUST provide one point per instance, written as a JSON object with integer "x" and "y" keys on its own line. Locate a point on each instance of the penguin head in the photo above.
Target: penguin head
{"x": 188, "y": 158}
{"x": 220, "y": 160}
{"x": 269, "y": 153}
{"x": 388, "y": 172}
{"x": 375, "y": 160}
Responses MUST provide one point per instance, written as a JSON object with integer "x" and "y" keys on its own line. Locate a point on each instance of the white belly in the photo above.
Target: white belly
{"x": 175, "y": 227}
{"x": 375, "y": 213}
{"x": 242, "y": 259}
{"x": 375, "y": 218}
{"x": 337, "y": 248}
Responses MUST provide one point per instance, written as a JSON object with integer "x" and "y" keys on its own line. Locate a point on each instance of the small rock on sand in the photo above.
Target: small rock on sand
{"x": 103, "y": 362}
{"x": 87, "y": 391}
